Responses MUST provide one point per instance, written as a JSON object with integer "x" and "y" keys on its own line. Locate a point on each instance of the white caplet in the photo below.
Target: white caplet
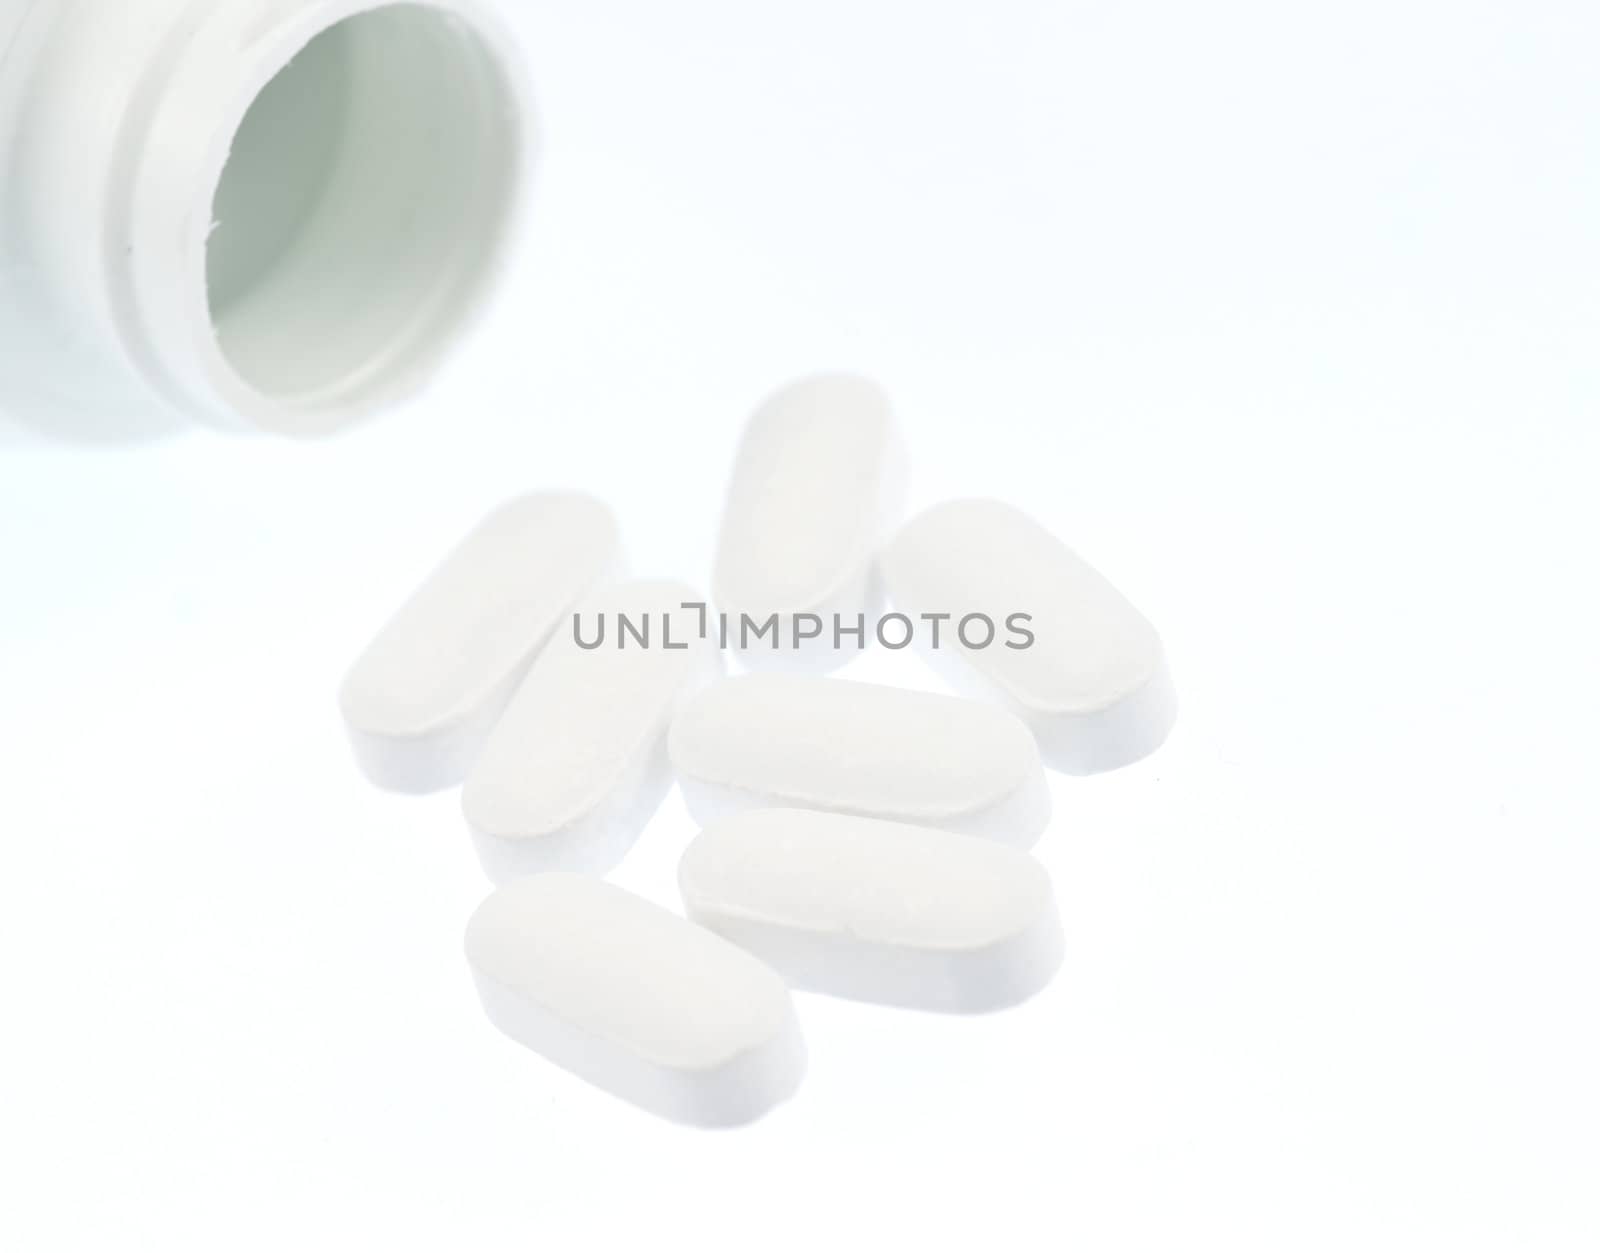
{"x": 577, "y": 764}
{"x": 270, "y": 215}
{"x": 1093, "y": 685}
{"x": 635, "y": 1000}
{"x": 421, "y": 699}
{"x": 819, "y": 480}
{"x": 877, "y": 911}
{"x": 776, "y": 740}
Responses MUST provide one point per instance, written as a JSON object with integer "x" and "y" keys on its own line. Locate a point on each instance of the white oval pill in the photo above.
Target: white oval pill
{"x": 1093, "y": 683}
{"x": 635, "y": 1000}
{"x": 578, "y": 763}
{"x": 427, "y": 690}
{"x": 818, "y": 480}
{"x": 858, "y": 748}
{"x": 877, "y": 911}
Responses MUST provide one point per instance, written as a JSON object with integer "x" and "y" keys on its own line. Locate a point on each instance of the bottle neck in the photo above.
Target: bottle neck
{"x": 272, "y": 214}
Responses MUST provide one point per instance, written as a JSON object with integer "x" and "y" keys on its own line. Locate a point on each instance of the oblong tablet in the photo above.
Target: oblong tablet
{"x": 1093, "y": 682}
{"x": 877, "y": 911}
{"x": 818, "y": 481}
{"x": 635, "y": 1000}
{"x": 578, "y": 762}
{"x": 777, "y": 740}
{"x": 422, "y": 697}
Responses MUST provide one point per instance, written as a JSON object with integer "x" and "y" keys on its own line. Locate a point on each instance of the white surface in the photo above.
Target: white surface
{"x": 1092, "y": 682}
{"x": 818, "y": 480}
{"x": 877, "y": 911}
{"x": 1283, "y": 314}
{"x": 868, "y": 749}
{"x": 425, "y": 693}
{"x": 577, "y": 764}
{"x": 635, "y": 1000}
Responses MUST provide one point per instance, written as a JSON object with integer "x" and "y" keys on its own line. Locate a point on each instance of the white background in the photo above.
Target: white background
{"x": 1286, "y": 315}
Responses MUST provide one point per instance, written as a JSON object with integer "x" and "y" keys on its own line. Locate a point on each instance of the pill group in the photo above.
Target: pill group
{"x": 856, "y": 840}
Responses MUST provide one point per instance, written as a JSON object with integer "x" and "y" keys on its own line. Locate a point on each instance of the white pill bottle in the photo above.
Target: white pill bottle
{"x": 269, "y": 215}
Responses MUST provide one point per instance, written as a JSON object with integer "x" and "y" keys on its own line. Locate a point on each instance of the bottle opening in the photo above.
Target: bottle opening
{"x": 361, "y": 210}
